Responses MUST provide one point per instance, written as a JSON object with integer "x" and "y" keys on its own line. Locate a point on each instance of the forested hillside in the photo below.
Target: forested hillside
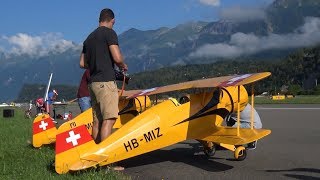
{"x": 34, "y": 91}
{"x": 295, "y": 74}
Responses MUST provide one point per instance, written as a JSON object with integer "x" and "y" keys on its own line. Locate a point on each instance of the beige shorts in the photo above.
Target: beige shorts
{"x": 104, "y": 99}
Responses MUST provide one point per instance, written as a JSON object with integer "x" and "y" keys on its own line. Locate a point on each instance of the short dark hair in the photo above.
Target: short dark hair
{"x": 106, "y": 15}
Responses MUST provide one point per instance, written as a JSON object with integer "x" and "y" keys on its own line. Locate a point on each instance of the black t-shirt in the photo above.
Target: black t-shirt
{"x": 98, "y": 56}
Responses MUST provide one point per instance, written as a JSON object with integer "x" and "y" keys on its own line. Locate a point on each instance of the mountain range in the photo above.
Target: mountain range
{"x": 242, "y": 33}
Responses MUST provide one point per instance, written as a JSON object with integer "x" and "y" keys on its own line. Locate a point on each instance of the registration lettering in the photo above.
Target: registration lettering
{"x": 152, "y": 135}
{"x": 147, "y": 137}
{"x": 89, "y": 126}
{"x": 73, "y": 125}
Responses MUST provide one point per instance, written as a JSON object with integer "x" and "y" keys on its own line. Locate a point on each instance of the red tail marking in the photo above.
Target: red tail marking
{"x": 42, "y": 125}
{"x": 72, "y": 138}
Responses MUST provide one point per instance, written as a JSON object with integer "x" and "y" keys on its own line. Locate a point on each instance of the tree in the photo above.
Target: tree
{"x": 295, "y": 89}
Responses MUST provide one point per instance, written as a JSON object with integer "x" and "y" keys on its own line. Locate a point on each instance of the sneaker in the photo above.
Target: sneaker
{"x": 252, "y": 145}
{"x": 54, "y": 121}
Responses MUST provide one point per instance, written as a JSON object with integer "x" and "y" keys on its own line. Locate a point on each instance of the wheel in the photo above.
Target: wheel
{"x": 240, "y": 153}
{"x": 210, "y": 151}
{"x": 184, "y": 99}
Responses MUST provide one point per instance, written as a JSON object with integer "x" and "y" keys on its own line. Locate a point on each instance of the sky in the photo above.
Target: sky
{"x": 73, "y": 20}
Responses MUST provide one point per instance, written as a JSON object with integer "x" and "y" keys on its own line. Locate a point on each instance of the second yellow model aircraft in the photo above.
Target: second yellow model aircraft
{"x": 167, "y": 123}
{"x": 45, "y": 131}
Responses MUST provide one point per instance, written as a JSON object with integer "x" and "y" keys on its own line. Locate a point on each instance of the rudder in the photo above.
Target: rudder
{"x": 71, "y": 145}
{"x": 43, "y": 130}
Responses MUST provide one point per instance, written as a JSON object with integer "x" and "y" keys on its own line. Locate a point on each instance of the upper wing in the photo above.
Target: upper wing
{"x": 130, "y": 93}
{"x": 223, "y": 81}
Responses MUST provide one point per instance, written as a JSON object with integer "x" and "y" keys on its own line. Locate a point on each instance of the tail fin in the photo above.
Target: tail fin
{"x": 71, "y": 145}
{"x": 43, "y": 130}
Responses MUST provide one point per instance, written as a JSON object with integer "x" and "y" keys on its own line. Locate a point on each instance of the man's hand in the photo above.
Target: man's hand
{"x": 124, "y": 67}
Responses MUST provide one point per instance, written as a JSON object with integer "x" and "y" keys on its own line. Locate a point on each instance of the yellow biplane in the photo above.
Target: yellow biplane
{"x": 167, "y": 123}
{"x": 44, "y": 131}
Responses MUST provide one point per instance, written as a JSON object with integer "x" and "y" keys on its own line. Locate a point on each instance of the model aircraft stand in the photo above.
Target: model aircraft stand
{"x": 60, "y": 108}
{"x": 44, "y": 131}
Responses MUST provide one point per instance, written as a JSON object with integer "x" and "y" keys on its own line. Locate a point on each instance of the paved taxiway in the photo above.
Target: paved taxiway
{"x": 291, "y": 151}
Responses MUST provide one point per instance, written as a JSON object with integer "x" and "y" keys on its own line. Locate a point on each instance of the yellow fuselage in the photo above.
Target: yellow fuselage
{"x": 162, "y": 125}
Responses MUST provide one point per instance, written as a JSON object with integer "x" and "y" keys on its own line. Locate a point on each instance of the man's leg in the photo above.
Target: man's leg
{"x": 106, "y": 128}
{"x": 84, "y": 103}
{"x": 95, "y": 130}
{"x": 109, "y": 100}
{"x": 97, "y": 121}
{"x": 52, "y": 113}
{"x": 106, "y": 131}
{"x": 95, "y": 114}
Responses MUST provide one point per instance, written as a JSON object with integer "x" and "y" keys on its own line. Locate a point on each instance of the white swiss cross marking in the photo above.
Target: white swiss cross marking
{"x": 73, "y": 138}
{"x": 43, "y": 125}
{"x": 235, "y": 79}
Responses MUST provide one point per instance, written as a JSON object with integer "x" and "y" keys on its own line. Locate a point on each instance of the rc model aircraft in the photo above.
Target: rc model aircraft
{"x": 201, "y": 118}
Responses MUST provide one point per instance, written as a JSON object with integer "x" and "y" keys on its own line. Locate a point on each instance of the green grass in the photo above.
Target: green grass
{"x": 296, "y": 100}
{"x": 19, "y": 160}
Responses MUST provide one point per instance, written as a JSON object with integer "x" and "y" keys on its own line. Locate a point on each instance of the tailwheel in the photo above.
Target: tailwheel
{"x": 240, "y": 153}
{"x": 210, "y": 149}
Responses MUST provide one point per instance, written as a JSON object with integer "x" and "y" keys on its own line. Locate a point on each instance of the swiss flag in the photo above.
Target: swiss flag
{"x": 72, "y": 138}
{"x": 42, "y": 125}
{"x": 233, "y": 81}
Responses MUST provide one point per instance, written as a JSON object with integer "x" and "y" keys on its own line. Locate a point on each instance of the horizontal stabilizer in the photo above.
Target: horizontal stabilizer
{"x": 95, "y": 157}
{"x": 228, "y": 135}
{"x": 88, "y": 161}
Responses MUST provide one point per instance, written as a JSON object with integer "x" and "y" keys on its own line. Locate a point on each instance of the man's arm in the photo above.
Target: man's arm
{"x": 82, "y": 60}
{"x": 117, "y": 57}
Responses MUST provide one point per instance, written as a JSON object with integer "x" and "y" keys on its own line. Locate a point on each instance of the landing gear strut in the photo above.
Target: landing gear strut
{"x": 209, "y": 151}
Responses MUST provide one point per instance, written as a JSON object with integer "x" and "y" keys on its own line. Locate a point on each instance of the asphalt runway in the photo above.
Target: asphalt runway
{"x": 290, "y": 152}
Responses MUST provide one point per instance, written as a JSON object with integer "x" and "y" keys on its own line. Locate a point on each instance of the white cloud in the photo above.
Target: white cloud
{"x": 240, "y": 14}
{"x": 36, "y": 46}
{"x": 171, "y": 44}
{"x": 210, "y": 2}
{"x": 246, "y": 44}
{"x": 24, "y": 44}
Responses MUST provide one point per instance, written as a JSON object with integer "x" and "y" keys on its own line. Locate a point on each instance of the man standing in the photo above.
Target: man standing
{"x": 40, "y": 105}
{"x": 245, "y": 122}
{"x": 245, "y": 118}
{"x": 52, "y": 96}
{"x": 83, "y": 94}
{"x": 100, "y": 52}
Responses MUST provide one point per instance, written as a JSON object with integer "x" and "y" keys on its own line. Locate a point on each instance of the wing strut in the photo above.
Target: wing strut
{"x": 252, "y": 104}
{"x": 238, "y": 113}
